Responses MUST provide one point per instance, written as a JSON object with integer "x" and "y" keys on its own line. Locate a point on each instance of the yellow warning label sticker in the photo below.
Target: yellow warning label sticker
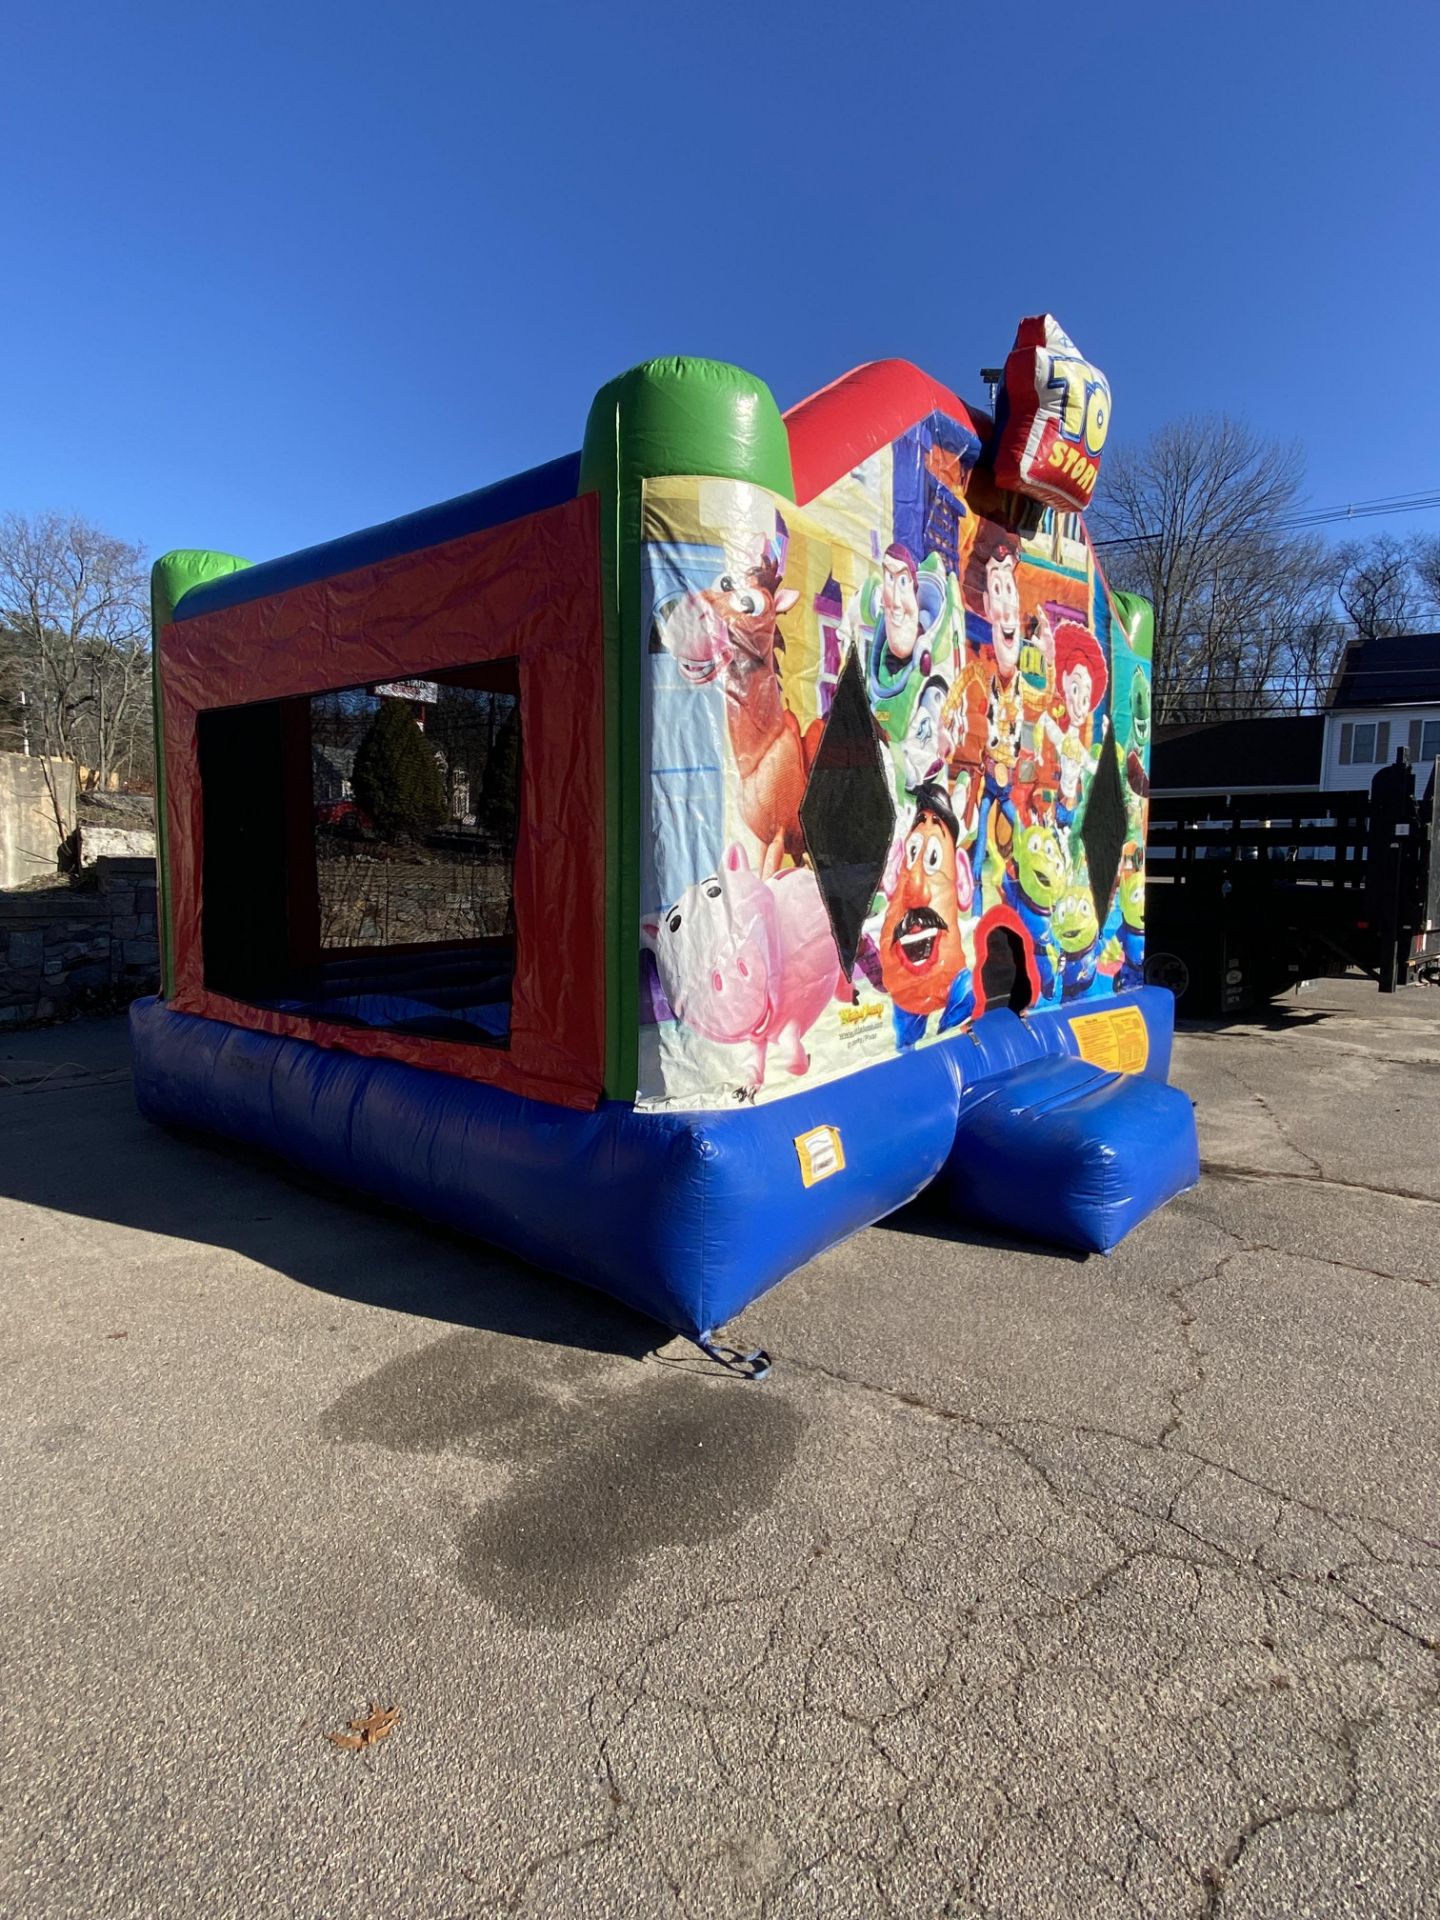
{"x": 1117, "y": 1039}
{"x": 821, "y": 1154}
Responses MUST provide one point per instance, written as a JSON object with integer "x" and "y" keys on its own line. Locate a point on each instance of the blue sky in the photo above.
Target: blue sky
{"x": 278, "y": 272}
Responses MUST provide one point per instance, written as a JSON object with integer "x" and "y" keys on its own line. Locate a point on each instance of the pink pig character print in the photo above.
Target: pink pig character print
{"x": 750, "y": 962}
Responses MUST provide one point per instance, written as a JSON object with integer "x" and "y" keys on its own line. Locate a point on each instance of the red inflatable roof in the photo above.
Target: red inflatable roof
{"x": 862, "y": 411}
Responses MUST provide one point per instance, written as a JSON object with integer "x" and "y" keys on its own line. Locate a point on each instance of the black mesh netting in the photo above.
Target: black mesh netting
{"x": 1103, "y": 830}
{"x": 847, "y": 813}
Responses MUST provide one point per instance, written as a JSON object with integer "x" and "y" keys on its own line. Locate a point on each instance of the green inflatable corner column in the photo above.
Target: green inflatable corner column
{"x": 672, "y": 416}
{"x": 171, "y": 578}
{"x": 1138, "y": 618}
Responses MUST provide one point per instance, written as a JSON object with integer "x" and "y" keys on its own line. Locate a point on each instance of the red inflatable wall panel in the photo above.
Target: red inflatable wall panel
{"x": 529, "y": 591}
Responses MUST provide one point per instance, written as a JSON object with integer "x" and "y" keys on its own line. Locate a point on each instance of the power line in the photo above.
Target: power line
{"x": 1380, "y": 673}
{"x": 1297, "y": 636}
{"x": 1318, "y": 517}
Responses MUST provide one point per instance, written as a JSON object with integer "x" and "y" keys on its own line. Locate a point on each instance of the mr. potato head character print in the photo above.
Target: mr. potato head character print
{"x": 922, "y": 953}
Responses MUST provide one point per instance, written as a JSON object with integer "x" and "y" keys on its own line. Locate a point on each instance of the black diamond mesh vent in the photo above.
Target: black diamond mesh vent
{"x": 1102, "y": 832}
{"x": 847, "y": 814}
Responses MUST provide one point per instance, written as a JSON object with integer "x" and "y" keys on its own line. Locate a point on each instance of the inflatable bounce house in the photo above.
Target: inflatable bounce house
{"x": 669, "y": 861}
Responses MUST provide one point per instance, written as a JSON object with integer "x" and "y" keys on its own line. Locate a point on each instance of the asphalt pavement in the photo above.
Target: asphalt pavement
{"x": 1027, "y": 1586}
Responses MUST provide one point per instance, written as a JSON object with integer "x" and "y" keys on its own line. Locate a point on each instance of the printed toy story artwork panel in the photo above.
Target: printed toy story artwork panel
{"x": 897, "y": 758}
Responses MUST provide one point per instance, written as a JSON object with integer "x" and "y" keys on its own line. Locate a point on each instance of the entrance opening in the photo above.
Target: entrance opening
{"x": 1004, "y": 977}
{"x": 359, "y": 850}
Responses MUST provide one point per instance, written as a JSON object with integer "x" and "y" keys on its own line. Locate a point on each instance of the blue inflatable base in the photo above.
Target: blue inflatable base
{"x": 687, "y": 1217}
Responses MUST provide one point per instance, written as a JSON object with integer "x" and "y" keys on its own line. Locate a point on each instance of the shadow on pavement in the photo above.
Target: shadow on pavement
{"x": 75, "y": 1144}
{"x": 1265, "y": 1018}
{"x": 929, "y": 1219}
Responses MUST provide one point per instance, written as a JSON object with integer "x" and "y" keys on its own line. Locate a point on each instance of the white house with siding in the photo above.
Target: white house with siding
{"x": 1387, "y": 697}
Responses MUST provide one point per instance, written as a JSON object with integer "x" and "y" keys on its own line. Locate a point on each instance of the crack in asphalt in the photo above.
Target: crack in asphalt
{"x": 1226, "y": 1170}
{"x": 1042, "y": 1624}
{"x": 1262, "y": 1101}
{"x": 1339, "y": 1048}
{"x": 1215, "y": 1877}
{"x": 80, "y": 1080}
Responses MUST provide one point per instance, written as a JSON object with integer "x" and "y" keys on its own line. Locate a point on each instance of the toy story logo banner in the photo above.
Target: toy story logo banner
{"x": 895, "y": 766}
{"x": 1055, "y": 418}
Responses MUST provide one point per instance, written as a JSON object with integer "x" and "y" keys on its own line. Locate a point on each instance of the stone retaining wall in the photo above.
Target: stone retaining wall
{"x": 69, "y": 948}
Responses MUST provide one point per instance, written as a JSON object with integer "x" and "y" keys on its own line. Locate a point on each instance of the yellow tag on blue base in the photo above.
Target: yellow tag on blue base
{"x": 1117, "y": 1039}
{"x": 821, "y": 1154}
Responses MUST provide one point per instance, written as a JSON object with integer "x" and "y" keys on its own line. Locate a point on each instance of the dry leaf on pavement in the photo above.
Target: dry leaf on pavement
{"x": 366, "y": 1731}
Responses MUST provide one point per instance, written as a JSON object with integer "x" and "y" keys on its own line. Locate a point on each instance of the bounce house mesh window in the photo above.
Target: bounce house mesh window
{"x": 846, "y": 814}
{"x": 1102, "y": 832}
{"x": 359, "y": 853}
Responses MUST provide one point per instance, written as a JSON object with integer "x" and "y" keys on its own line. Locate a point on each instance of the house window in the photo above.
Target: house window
{"x": 1364, "y": 743}
{"x": 359, "y": 852}
{"x": 1430, "y": 741}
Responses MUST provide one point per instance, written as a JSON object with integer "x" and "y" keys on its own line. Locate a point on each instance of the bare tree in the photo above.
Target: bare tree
{"x": 12, "y": 692}
{"x": 1313, "y": 650}
{"x": 74, "y": 609}
{"x": 1425, "y": 561}
{"x": 1376, "y": 587}
{"x": 1196, "y": 520}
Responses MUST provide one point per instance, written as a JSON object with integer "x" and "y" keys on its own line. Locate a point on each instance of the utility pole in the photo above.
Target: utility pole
{"x": 992, "y": 376}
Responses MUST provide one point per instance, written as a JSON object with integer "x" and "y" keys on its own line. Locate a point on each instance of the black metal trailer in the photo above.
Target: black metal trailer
{"x": 1247, "y": 894}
